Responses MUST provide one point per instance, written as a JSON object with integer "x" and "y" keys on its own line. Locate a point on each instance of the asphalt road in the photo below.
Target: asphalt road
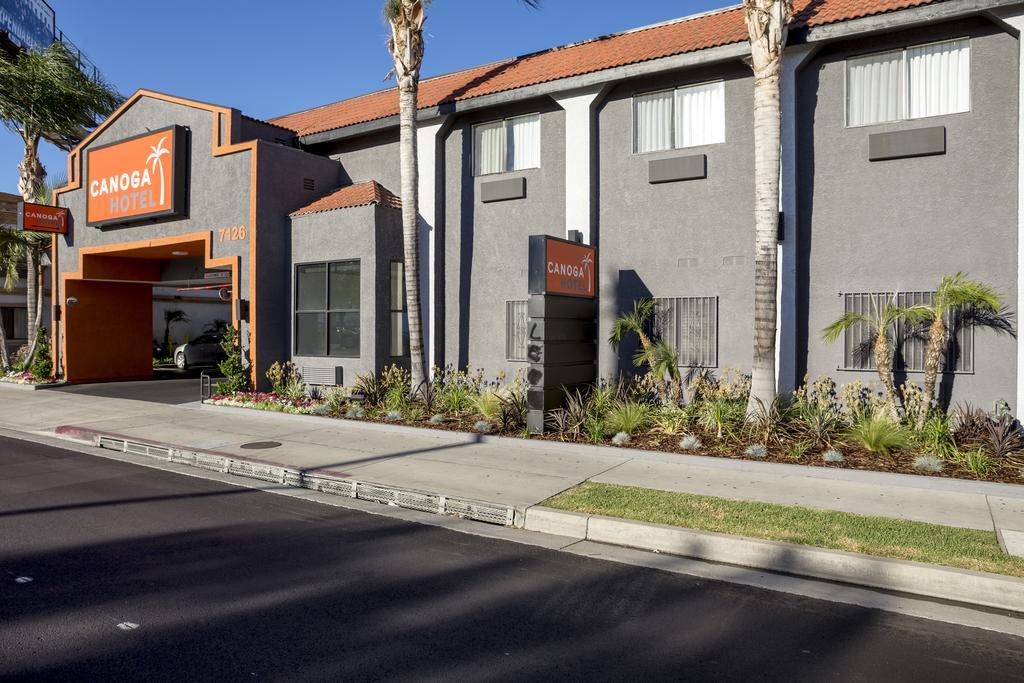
{"x": 138, "y": 574}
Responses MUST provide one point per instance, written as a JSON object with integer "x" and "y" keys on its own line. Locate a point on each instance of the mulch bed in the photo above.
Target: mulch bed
{"x": 854, "y": 458}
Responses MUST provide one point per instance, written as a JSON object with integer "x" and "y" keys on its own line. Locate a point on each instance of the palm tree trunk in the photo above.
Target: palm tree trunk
{"x": 33, "y": 342}
{"x": 30, "y": 183}
{"x": 407, "y": 95}
{"x": 5, "y": 361}
{"x": 932, "y": 358}
{"x": 767, "y": 127}
{"x": 883, "y": 363}
{"x": 31, "y": 293}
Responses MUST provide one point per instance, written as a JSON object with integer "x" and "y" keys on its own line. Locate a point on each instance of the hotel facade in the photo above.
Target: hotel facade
{"x": 902, "y": 163}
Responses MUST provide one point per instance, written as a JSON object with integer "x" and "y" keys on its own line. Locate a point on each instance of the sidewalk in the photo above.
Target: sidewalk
{"x": 515, "y": 473}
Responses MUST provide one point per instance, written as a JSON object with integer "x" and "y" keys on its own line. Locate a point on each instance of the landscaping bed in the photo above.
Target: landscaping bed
{"x": 880, "y": 536}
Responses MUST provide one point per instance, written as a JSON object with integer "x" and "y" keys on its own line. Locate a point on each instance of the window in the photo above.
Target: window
{"x": 685, "y": 117}
{"x": 910, "y": 344}
{"x": 508, "y": 145}
{"x": 327, "y": 309}
{"x": 399, "y": 321}
{"x": 15, "y": 322}
{"x": 516, "y": 326}
{"x": 689, "y": 325}
{"x": 926, "y": 80}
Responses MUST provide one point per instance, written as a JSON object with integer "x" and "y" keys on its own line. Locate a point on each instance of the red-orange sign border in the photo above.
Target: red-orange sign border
{"x": 23, "y": 223}
{"x": 179, "y": 178}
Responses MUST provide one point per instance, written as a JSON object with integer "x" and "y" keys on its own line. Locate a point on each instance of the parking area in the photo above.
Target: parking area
{"x": 168, "y": 386}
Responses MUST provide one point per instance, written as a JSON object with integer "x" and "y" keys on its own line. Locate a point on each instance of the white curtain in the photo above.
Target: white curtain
{"x": 653, "y": 122}
{"x": 700, "y": 114}
{"x": 940, "y": 78}
{"x": 489, "y": 148}
{"x": 524, "y": 142}
{"x": 874, "y": 86}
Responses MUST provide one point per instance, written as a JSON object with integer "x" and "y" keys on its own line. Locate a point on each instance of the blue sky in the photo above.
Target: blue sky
{"x": 271, "y": 57}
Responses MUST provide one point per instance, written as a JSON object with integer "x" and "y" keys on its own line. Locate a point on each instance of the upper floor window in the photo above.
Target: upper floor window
{"x": 685, "y": 117}
{"x": 508, "y": 145}
{"x": 920, "y": 81}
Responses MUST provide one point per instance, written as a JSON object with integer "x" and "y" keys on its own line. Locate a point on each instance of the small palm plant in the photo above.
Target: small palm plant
{"x": 881, "y": 321}
{"x": 171, "y": 316}
{"x": 958, "y": 296}
{"x": 635, "y": 322}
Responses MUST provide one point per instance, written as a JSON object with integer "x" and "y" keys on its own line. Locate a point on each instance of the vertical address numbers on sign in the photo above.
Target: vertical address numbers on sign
{"x": 232, "y": 234}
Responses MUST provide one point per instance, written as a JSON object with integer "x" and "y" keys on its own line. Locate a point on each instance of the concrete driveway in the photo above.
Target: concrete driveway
{"x": 169, "y": 386}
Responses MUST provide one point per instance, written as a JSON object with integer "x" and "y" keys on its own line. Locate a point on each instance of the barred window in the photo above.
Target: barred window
{"x": 690, "y": 326}
{"x": 910, "y": 344}
{"x": 516, "y": 318}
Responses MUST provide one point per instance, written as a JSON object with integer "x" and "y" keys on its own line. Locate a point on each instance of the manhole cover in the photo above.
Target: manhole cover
{"x": 259, "y": 445}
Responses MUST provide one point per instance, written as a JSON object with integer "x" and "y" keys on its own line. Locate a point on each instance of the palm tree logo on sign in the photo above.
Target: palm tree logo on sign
{"x": 587, "y": 264}
{"x": 156, "y": 162}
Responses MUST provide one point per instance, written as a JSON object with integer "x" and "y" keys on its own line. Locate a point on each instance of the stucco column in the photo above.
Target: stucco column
{"x": 786, "y": 332}
{"x": 580, "y": 144}
{"x": 429, "y": 136}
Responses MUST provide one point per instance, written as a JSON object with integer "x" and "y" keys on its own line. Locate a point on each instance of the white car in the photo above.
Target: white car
{"x": 203, "y": 350}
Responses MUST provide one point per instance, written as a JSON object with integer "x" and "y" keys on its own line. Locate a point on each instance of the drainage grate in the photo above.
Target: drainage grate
{"x": 490, "y": 513}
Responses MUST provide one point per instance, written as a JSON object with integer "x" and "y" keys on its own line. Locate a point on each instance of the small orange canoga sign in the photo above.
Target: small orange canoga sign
{"x": 135, "y": 178}
{"x": 569, "y": 268}
{"x": 42, "y": 218}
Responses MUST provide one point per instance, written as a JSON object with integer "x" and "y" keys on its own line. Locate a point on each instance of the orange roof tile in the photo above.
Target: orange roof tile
{"x": 351, "y": 196}
{"x": 700, "y": 32}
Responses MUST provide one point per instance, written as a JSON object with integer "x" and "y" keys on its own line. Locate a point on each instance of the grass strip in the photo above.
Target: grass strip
{"x": 880, "y": 536}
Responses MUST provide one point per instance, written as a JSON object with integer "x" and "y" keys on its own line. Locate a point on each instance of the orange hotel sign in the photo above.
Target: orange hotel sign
{"x": 139, "y": 178}
{"x": 558, "y": 266}
{"x": 42, "y": 218}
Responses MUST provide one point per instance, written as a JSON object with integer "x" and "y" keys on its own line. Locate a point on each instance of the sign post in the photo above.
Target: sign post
{"x": 562, "y": 332}
{"x": 42, "y": 218}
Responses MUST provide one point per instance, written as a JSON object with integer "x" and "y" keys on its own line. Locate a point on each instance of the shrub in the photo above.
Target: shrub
{"x": 832, "y": 455}
{"x": 393, "y": 416}
{"x": 487, "y": 405}
{"x": 436, "y": 419}
{"x": 427, "y": 394}
{"x": 879, "y": 435}
{"x": 1004, "y": 436}
{"x": 236, "y": 376}
{"x": 321, "y": 409}
{"x": 595, "y": 429}
{"x": 621, "y": 439}
{"x": 42, "y": 363}
{"x": 690, "y": 443}
{"x": 371, "y": 388}
{"x": 628, "y": 417}
{"x": 723, "y": 417}
{"x": 969, "y": 425}
{"x": 768, "y": 421}
{"x": 281, "y": 375}
{"x": 415, "y": 414}
{"x": 976, "y": 461}
{"x": 935, "y": 437}
{"x": 756, "y": 451}
{"x": 482, "y": 426}
{"x": 798, "y": 449}
{"x": 928, "y": 463}
{"x": 672, "y": 421}
{"x": 513, "y": 408}
{"x": 336, "y": 398}
{"x": 356, "y": 413}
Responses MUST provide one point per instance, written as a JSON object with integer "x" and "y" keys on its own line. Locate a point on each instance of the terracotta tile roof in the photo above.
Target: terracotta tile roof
{"x": 351, "y": 196}
{"x": 688, "y": 34}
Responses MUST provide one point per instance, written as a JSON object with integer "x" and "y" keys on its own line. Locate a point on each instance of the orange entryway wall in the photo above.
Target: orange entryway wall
{"x": 108, "y": 331}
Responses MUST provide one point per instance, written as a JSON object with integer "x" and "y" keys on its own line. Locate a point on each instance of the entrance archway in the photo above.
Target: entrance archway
{"x": 107, "y": 304}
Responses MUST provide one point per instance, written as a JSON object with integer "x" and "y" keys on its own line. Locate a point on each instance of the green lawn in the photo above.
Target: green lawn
{"x": 882, "y": 536}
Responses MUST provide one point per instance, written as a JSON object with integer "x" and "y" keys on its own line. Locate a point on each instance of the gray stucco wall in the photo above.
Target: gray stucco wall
{"x": 251, "y": 129}
{"x": 900, "y": 225}
{"x": 280, "y": 174}
{"x": 373, "y": 235}
{"x": 218, "y": 189}
{"x": 486, "y": 245}
{"x": 368, "y": 157}
{"x": 690, "y": 238}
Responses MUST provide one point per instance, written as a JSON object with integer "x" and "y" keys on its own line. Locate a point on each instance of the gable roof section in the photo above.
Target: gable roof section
{"x": 352, "y": 196}
{"x": 722, "y": 27}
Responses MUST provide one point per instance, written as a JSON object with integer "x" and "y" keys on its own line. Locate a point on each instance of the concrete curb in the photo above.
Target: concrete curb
{"x": 592, "y": 450}
{"x": 914, "y": 578}
{"x": 33, "y": 387}
{"x": 320, "y": 480}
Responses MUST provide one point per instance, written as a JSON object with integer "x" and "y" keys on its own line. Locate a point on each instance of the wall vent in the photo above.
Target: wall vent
{"x": 308, "y": 184}
{"x": 319, "y": 376}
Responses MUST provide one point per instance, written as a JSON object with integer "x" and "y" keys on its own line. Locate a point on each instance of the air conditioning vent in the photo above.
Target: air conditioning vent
{"x": 318, "y": 376}
{"x": 308, "y": 184}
